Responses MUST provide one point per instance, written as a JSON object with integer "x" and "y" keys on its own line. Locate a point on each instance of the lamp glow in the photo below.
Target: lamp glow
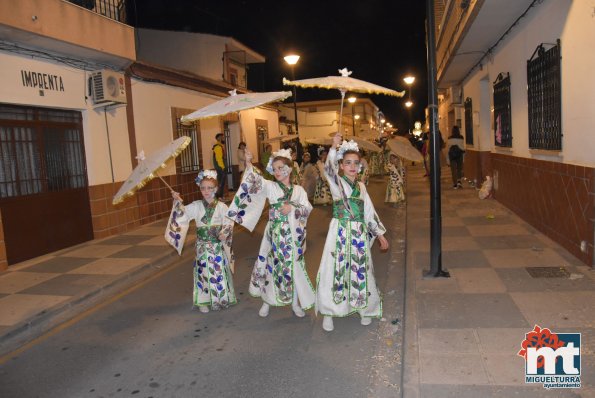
{"x": 292, "y": 59}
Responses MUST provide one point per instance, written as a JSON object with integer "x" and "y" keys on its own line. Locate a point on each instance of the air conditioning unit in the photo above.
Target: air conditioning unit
{"x": 456, "y": 95}
{"x": 108, "y": 86}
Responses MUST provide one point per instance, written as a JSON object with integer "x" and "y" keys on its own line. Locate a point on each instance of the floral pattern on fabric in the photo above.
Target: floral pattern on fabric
{"x": 395, "y": 192}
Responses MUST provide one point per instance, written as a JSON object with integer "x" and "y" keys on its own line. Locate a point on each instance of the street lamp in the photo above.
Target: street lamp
{"x": 409, "y": 81}
{"x": 352, "y": 100}
{"x": 293, "y": 59}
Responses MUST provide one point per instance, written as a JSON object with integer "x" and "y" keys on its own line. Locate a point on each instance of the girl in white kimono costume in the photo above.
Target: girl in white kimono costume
{"x": 345, "y": 282}
{"x": 214, "y": 261}
{"x": 279, "y": 275}
{"x": 395, "y": 190}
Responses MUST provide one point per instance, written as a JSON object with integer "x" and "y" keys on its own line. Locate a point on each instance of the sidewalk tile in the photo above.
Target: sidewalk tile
{"x": 505, "y": 369}
{"x": 15, "y": 282}
{"x": 454, "y": 231}
{"x": 142, "y": 252}
{"x": 126, "y": 240}
{"x": 501, "y": 340}
{"x": 519, "y": 280}
{"x": 109, "y": 266}
{"x": 557, "y": 309}
{"x": 478, "y": 280}
{"x": 483, "y": 220}
{"x": 155, "y": 241}
{"x": 514, "y": 258}
{"x": 469, "y": 391}
{"x": 58, "y": 265}
{"x": 497, "y": 229}
{"x": 95, "y": 251}
{"x": 62, "y": 285}
{"x": 150, "y": 231}
{"x": 459, "y": 243}
{"x": 449, "y": 311}
{"x": 464, "y": 259}
{"x": 452, "y": 369}
{"x": 444, "y": 341}
{"x": 20, "y": 307}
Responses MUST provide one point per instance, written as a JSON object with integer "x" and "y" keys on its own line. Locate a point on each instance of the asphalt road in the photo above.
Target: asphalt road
{"x": 148, "y": 342}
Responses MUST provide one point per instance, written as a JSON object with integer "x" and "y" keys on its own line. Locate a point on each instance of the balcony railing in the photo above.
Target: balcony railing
{"x": 112, "y": 9}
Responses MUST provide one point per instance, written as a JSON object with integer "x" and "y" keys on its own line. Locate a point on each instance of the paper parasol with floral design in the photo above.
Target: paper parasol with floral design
{"x": 235, "y": 103}
{"x": 343, "y": 83}
{"x": 147, "y": 168}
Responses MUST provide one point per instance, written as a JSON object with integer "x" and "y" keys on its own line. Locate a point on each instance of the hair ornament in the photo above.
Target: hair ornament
{"x": 205, "y": 174}
{"x": 346, "y": 146}
{"x": 285, "y": 153}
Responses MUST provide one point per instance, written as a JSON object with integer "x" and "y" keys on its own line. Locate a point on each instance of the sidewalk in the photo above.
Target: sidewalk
{"x": 40, "y": 293}
{"x": 463, "y": 333}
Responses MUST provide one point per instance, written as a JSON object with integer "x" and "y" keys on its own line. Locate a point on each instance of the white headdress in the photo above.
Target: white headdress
{"x": 346, "y": 146}
{"x": 205, "y": 174}
{"x": 286, "y": 153}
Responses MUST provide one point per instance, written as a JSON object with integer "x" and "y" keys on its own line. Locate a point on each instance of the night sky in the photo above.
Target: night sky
{"x": 381, "y": 41}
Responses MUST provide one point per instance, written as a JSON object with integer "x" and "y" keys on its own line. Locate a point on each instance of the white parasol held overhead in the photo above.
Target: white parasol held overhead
{"x": 147, "y": 168}
{"x": 343, "y": 83}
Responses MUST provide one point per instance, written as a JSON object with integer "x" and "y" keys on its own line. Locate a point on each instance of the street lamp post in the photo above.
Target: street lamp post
{"x": 292, "y": 60}
{"x": 352, "y": 100}
{"x": 409, "y": 81}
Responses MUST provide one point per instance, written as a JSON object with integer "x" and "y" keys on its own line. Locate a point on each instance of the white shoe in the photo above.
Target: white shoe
{"x": 366, "y": 321}
{"x": 327, "y": 323}
{"x": 264, "y": 310}
{"x": 203, "y": 308}
{"x": 298, "y": 311}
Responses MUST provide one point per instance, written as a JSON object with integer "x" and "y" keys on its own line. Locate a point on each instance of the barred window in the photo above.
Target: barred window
{"x": 190, "y": 159}
{"x": 41, "y": 150}
{"x": 502, "y": 114}
{"x": 544, "y": 98}
{"x": 468, "y": 121}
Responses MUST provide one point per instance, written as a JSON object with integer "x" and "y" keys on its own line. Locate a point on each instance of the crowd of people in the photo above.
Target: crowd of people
{"x": 337, "y": 176}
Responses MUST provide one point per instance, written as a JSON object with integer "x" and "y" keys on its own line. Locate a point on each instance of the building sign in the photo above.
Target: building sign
{"x": 42, "y": 81}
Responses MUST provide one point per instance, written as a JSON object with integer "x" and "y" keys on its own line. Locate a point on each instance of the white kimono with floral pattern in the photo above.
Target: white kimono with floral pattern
{"x": 345, "y": 282}
{"x": 279, "y": 271}
{"x": 214, "y": 261}
{"x": 395, "y": 190}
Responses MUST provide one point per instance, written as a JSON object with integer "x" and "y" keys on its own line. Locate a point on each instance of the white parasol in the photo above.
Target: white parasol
{"x": 361, "y": 143}
{"x": 147, "y": 168}
{"x": 281, "y": 138}
{"x": 404, "y": 149}
{"x": 234, "y": 103}
{"x": 343, "y": 83}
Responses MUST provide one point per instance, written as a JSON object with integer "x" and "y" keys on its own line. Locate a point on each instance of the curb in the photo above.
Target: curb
{"x": 37, "y": 325}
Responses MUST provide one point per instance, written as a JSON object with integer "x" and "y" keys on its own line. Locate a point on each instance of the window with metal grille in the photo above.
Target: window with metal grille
{"x": 502, "y": 117}
{"x": 544, "y": 98}
{"x": 190, "y": 159}
{"x": 469, "y": 121}
{"x": 41, "y": 150}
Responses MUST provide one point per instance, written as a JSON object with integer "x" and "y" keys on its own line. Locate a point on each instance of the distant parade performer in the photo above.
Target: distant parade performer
{"x": 395, "y": 190}
{"x": 279, "y": 275}
{"x": 346, "y": 282}
{"x": 214, "y": 261}
{"x": 322, "y": 194}
{"x": 364, "y": 174}
{"x": 309, "y": 174}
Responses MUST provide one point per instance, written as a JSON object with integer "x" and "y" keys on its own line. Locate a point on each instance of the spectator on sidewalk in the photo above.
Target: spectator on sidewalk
{"x": 455, "y": 149}
{"x": 219, "y": 163}
{"x": 241, "y": 157}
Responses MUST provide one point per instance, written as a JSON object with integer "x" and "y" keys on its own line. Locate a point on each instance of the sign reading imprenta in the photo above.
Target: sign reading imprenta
{"x": 42, "y": 81}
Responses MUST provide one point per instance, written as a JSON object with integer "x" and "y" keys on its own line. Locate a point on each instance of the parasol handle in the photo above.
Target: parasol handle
{"x": 166, "y": 184}
{"x": 341, "y": 113}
